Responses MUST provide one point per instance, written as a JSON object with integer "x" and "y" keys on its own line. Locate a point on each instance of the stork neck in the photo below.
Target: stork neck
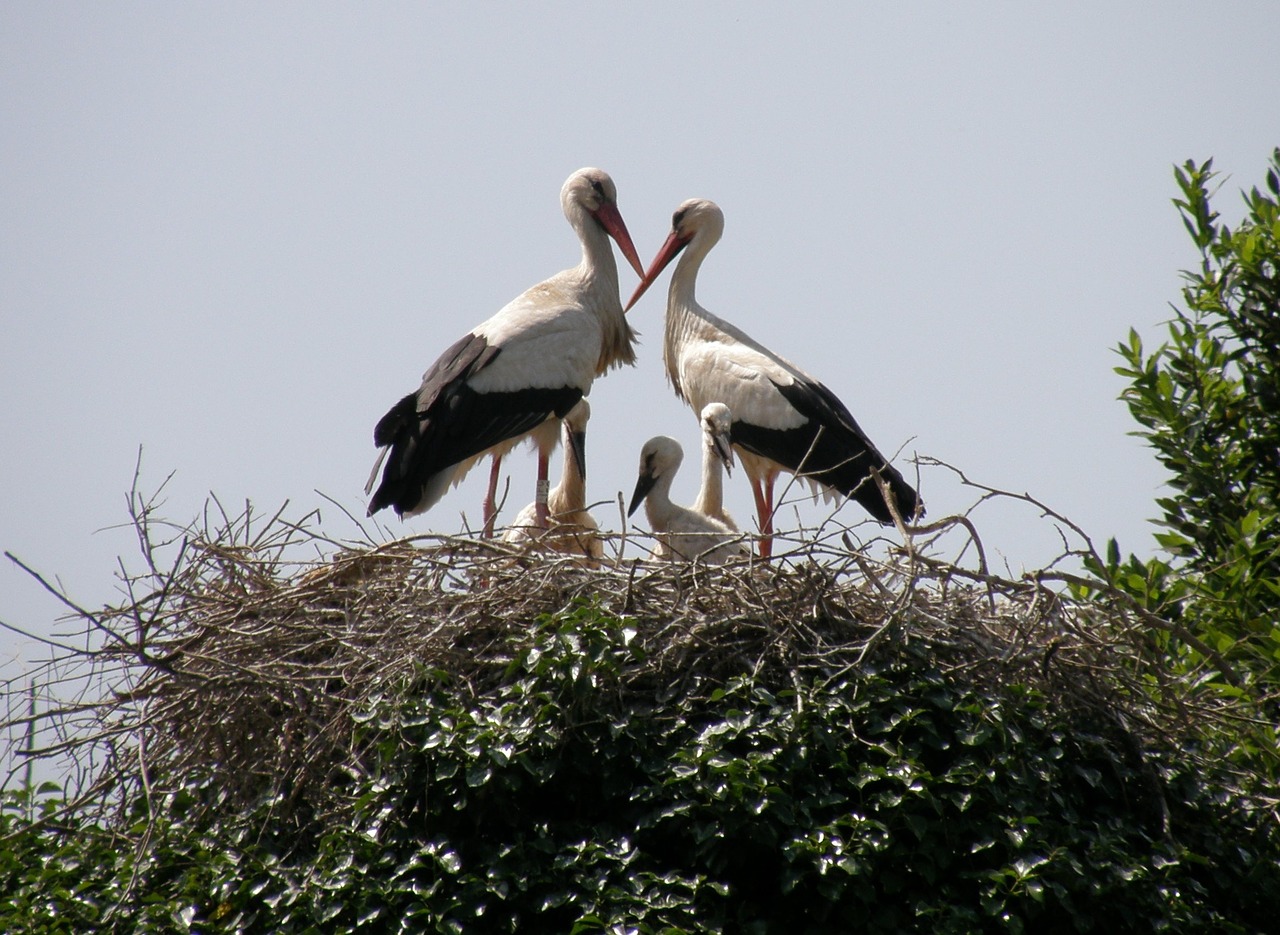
{"x": 657, "y": 506}
{"x": 598, "y": 276}
{"x": 684, "y": 280}
{"x": 598, "y": 266}
{"x": 570, "y": 495}
{"x": 686, "y": 320}
{"x": 711, "y": 495}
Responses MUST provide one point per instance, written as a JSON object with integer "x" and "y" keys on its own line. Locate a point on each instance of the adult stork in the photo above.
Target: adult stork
{"x": 528, "y": 364}
{"x": 783, "y": 418}
{"x": 570, "y": 528}
{"x": 682, "y": 533}
{"x": 717, "y": 460}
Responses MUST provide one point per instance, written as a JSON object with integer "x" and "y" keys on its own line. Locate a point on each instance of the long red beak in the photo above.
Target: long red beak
{"x": 666, "y": 253}
{"x": 607, "y": 214}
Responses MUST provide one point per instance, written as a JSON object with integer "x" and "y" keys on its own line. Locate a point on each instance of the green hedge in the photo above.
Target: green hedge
{"x": 884, "y": 800}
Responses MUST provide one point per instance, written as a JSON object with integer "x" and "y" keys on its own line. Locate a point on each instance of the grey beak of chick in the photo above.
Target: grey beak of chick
{"x": 644, "y": 483}
{"x": 724, "y": 451}
{"x": 578, "y": 451}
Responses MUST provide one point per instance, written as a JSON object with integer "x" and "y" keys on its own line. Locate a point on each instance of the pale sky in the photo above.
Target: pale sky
{"x": 235, "y": 234}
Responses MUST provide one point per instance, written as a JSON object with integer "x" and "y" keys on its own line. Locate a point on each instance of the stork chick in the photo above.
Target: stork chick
{"x": 717, "y": 456}
{"x": 570, "y": 528}
{"x": 683, "y": 533}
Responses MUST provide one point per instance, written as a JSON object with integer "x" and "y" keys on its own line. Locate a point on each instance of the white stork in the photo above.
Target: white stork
{"x": 682, "y": 533}
{"x": 783, "y": 419}
{"x": 528, "y": 364}
{"x": 717, "y": 456}
{"x": 570, "y": 528}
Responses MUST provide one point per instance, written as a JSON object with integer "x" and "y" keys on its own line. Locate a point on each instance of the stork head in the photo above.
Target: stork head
{"x": 695, "y": 218}
{"x": 659, "y": 458}
{"x": 575, "y": 435}
{"x": 593, "y": 191}
{"x": 717, "y": 424}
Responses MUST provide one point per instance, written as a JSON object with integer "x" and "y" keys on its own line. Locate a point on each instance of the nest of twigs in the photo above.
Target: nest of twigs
{"x": 234, "y": 655}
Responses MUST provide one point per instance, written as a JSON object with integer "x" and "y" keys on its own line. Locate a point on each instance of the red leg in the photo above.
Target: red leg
{"x": 490, "y": 500}
{"x": 766, "y": 539}
{"x": 764, "y": 514}
{"x": 541, "y": 500}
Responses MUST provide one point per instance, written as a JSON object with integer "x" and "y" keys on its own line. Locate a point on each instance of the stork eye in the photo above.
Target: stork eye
{"x": 598, "y": 186}
{"x": 677, "y": 219}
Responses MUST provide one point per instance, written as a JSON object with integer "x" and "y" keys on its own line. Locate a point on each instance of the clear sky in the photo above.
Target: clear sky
{"x": 234, "y": 234}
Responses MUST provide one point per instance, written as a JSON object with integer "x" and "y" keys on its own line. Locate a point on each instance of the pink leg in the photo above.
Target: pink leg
{"x": 766, "y": 550}
{"x": 540, "y": 500}
{"x": 764, "y": 510}
{"x": 490, "y": 500}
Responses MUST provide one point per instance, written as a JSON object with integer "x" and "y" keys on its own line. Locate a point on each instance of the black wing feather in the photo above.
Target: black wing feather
{"x": 446, "y": 422}
{"x": 830, "y": 448}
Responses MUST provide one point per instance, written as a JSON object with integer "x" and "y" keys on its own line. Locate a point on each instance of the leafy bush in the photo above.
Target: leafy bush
{"x": 1208, "y": 402}
{"x": 890, "y": 799}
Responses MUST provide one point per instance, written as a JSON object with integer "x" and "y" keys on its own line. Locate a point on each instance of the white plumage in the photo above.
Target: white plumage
{"x": 783, "y": 418}
{"x": 682, "y": 533}
{"x": 570, "y": 528}
{"x": 529, "y": 363}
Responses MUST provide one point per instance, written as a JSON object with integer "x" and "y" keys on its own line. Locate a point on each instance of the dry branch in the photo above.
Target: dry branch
{"x": 235, "y": 657}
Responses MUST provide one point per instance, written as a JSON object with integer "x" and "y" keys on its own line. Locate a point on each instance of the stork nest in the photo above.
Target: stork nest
{"x": 232, "y": 654}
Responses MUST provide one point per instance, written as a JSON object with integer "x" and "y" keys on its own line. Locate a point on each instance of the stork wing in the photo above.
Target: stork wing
{"x": 830, "y": 448}
{"x": 446, "y": 421}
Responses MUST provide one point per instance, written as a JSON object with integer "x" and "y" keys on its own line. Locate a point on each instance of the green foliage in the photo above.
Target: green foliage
{"x": 1208, "y": 402}
{"x": 557, "y": 798}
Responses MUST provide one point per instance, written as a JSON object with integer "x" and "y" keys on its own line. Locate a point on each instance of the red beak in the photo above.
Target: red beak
{"x": 666, "y": 253}
{"x": 608, "y": 216}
